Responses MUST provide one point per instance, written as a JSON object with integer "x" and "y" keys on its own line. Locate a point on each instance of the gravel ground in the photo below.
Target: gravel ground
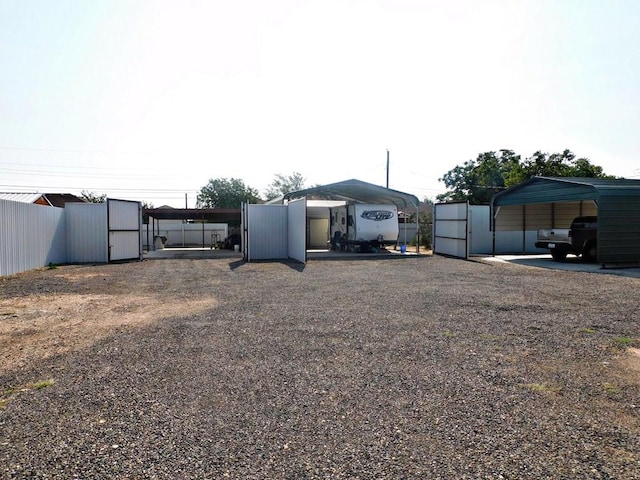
{"x": 411, "y": 368}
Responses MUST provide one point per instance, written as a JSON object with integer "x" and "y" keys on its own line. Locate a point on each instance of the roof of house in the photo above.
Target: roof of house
{"x": 52, "y": 199}
{"x": 20, "y": 197}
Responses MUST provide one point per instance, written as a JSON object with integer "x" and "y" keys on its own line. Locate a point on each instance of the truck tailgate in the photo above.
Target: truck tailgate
{"x": 553, "y": 234}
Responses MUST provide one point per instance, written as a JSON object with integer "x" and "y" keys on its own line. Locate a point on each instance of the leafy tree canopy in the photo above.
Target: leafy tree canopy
{"x": 283, "y": 184}
{"x": 478, "y": 180}
{"x": 145, "y": 216}
{"x": 93, "y": 197}
{"x": 226, "y": 193}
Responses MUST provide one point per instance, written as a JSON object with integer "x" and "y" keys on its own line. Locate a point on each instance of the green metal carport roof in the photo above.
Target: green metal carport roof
{"x": 618, "y": 202}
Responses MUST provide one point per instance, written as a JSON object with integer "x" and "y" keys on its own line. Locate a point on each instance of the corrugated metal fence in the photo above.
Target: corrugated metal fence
{"x": 31, "y": 236}
{"x": 87, "y": 240}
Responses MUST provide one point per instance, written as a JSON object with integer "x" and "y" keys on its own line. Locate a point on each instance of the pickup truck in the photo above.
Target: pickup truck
{"x": 580, "y": 239}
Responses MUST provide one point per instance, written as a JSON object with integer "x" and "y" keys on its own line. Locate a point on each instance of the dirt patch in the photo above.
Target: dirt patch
{"x": 35, "y": 326}
{"x": 631, "y": 362}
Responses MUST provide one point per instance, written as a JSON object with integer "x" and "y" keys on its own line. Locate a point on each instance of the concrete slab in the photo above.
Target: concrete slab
{"x": 571, "y": 263}
{"x": 199, "y": 253}
{"x": 193, "y": 253}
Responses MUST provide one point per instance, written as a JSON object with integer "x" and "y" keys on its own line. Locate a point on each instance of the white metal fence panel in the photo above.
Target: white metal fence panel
{"x": 86, "y": 225}
{"x": 480, "y": 235}
{"x": 450, "y": 229}
{"x": 297, "y": 230}
{"x": 318, "y": 233}
{"x": 123, "y": 246}
{"x": 516, "y": 226}
{"x": 123, "y": 214}
{"x": 517, "y": 242}
{"x": 124, "y": 219}
{"x": 186, "y": 234}
{"x": 407, "y": 233}
{"x": 31, "y": 236}
{"x": 266, "y": 232}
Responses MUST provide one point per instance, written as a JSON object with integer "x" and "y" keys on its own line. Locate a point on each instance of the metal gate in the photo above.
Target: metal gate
{"x": 297, "y": 230}
{"x": 124, "y": 225}
{"x": 451, "y": 228}
{"x": 272, "y": 232}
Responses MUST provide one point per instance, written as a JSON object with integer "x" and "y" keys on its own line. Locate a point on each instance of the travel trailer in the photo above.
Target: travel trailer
{"x": 360, "y": 224}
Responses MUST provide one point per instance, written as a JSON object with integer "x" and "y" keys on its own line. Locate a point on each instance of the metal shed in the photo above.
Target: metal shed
{"x": 542, "y": 202}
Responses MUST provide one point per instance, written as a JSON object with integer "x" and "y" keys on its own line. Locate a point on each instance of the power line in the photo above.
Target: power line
{"x": 54, "y": 150}
{"x": 129, "y": 176}
{"x": 116, "y": 189}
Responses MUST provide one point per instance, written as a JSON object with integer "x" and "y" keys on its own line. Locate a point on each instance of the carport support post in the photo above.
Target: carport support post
{"x": 418, "y": 228}
{"x": 524, "y": 228}
{"x": 153, "y": 235}
{"x": 404, "y": 230}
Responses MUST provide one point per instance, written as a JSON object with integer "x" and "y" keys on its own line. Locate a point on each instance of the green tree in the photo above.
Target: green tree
{"x": 226, "y": 193}
{"x": 93, "y": 197}
{"x": 283, "y": 184}
{"x": 145, "y": 216}
{"x": 478, "y": 180}
{"x": 425, "y": 216}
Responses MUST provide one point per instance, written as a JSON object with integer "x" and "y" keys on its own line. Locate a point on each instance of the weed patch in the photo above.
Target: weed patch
{"x": 8, "y": 393}
{"x": 623, "y": 342}
{"x": 43, "y": 384}
{"x": 587, "y": 330}
{"x": 611, "y": 388}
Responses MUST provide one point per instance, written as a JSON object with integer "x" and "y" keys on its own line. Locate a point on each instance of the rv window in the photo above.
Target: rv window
{"x": 350, "y": 221}
{"x": 342, "y": 220}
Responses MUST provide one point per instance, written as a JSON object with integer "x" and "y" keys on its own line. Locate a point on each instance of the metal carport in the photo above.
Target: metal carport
{"x": 218, "y": 215}
{"x": 361, "y": 192}
{"x": 542, "y": 202}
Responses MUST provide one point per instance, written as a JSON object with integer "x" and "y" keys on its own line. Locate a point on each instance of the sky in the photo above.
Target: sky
{"x": 148, "y": 100}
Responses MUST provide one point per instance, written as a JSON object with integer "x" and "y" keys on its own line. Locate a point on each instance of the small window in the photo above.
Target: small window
{"x": 350, "y": 221}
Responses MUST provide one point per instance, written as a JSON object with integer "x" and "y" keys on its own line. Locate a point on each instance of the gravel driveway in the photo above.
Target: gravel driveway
{"x": 411, "y": 368}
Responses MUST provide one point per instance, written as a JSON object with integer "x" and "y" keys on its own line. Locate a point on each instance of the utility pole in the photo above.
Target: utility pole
{"x": 387, "y": 168}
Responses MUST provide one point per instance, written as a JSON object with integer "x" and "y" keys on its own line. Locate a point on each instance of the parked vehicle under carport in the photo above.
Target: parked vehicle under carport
{"x": 580, "y": 239}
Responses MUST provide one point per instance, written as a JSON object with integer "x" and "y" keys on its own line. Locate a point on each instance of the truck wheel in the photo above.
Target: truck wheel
{"x": 590, "y": 252}
{"x": 558, "y": 254}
